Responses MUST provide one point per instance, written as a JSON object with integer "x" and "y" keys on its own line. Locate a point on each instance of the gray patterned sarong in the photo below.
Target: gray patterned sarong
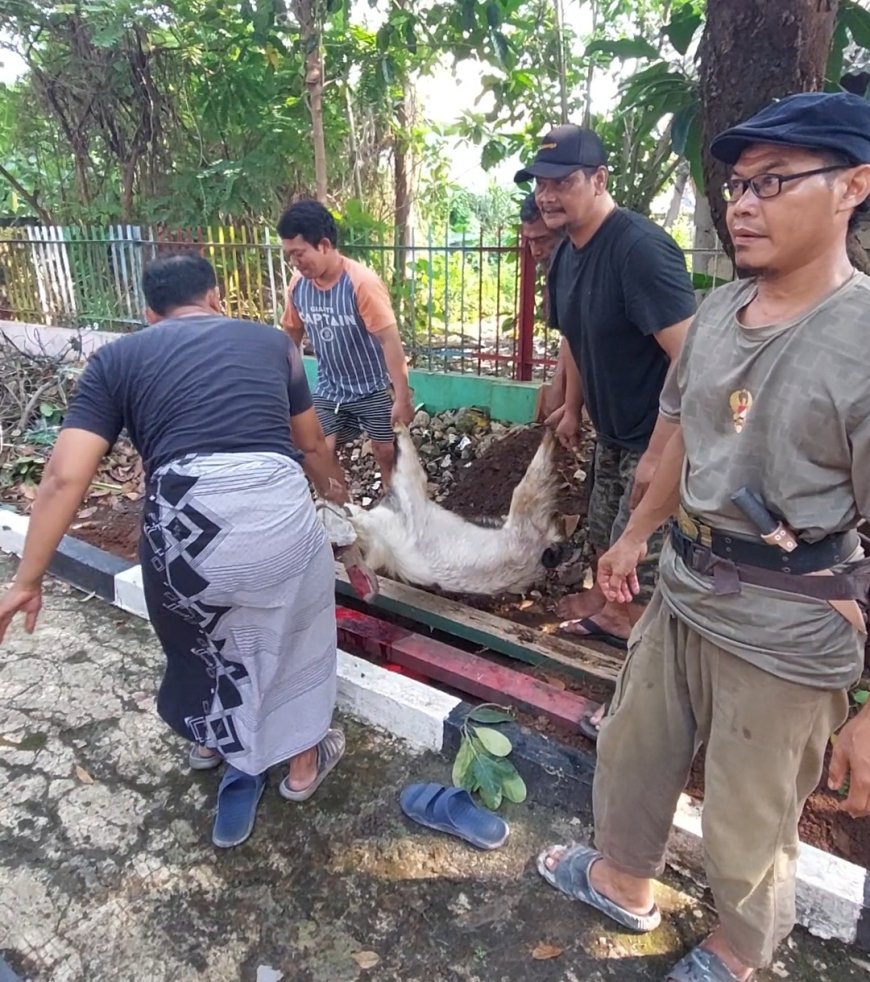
{"x": 240, "y": 587}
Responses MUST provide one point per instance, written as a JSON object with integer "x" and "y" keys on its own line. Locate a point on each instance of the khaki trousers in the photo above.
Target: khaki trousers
{"x": 765, "y": 740}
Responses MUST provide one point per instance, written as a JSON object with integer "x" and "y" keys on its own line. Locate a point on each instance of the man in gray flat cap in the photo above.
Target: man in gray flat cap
{"x": 742, "y": 649}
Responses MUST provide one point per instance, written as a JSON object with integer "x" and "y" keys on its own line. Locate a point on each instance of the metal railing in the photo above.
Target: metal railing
{"x": 470, "y": 304}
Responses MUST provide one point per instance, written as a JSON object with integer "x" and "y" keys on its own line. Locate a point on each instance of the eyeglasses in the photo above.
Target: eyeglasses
{"x": 768, "y": 185}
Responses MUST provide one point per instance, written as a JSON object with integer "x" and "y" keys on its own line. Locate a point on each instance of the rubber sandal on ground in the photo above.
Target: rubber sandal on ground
{"x": 591, "y": 632}
{"x": 196, "y": 761}
{"x": 453, "y": 811}
{"x": 571, "y": 876}
{"x": 701, "y": 965}
{"x": 238, "y": 797}
{"x": 589, "y": 729}
{"x": 330, "y": 750}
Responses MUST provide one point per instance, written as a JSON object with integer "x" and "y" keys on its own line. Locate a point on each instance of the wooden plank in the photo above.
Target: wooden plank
{"x": 496, "y": 633}
{"x": 467, "y": 673}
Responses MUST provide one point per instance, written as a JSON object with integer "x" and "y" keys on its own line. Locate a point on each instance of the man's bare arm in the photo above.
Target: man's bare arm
{"x": 320, "y": 464}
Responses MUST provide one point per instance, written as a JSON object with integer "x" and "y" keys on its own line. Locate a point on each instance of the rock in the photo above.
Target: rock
{"x": 421, "y": 420}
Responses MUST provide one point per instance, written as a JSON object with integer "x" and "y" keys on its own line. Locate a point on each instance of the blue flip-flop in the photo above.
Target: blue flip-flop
{"x": 238, "y": 797}
{"x": 453, "y": 811}
{"x": 571, "y": 876}
{"x": 701, "y": 965}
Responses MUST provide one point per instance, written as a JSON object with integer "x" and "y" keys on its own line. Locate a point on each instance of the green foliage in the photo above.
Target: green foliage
{"x": 481, "y": 764}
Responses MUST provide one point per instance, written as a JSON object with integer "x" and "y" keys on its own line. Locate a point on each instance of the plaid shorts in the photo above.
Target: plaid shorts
{"x": 346, "y": 420}
{"x": 612, "y": 481}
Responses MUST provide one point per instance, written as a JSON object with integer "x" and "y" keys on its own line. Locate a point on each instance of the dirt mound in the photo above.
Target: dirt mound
{"x": 484, "y": 486}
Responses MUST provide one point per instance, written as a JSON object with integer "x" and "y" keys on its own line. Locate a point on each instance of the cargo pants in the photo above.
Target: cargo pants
{"x": 764, "y": 740}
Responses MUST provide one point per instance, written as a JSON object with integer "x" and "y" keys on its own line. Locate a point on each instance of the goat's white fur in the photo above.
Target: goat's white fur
{"x": 411, "y": 538}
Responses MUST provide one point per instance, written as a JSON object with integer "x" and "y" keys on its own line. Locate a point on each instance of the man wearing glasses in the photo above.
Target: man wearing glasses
{"x": 742, "y": 649}
{"x": 622, "y": 298}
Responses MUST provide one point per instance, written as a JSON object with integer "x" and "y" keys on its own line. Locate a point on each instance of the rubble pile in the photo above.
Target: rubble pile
{"x": 446, "y": 442}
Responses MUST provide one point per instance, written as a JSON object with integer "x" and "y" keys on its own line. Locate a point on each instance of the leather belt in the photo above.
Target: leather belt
{"x": 809, "y": 557}
{"x": 727, "y": 575}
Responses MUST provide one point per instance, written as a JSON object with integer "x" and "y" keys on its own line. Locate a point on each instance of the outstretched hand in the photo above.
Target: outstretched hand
{"x": 18, "y": 599}
{"x": 617, "y": 570}
{"x": 850, "y": 762}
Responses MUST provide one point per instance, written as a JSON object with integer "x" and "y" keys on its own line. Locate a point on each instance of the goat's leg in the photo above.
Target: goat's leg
{"x": 536, "y": 491}
{"x": 409, "y": 475}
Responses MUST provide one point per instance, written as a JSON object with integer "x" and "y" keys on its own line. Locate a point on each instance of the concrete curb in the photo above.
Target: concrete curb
{"x": 833, "y": 895}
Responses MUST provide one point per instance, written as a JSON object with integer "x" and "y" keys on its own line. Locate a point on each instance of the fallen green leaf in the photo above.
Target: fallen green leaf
{"x": 493, "y": 741}
{"x": 462, "y": 765}
{"x": 488, "y": 780}
{"x": 490, "y": 714}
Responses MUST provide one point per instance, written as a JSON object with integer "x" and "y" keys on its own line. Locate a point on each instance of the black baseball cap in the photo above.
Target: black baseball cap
{"x": 836, "y": 121}
{"x": 562, "y": 151}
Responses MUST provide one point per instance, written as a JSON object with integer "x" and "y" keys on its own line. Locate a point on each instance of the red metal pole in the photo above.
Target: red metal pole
{"x": 526, "y": 315}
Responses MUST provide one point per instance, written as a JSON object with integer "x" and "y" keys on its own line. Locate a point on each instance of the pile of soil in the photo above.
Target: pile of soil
{"x": 114, "y": 525}
{"x": 483, "y": 487}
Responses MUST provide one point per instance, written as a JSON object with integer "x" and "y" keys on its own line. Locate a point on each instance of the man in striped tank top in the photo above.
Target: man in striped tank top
{"x": 345, "y": 310}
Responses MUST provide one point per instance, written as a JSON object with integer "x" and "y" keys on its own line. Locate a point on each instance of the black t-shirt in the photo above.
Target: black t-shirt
{"x": 199, "y": 384}
{"x": 608, "y": 299}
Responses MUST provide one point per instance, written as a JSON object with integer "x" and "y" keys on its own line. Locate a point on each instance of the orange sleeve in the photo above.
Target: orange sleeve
{"x": 372, "y": 297}
{"x": 290, "y": 319}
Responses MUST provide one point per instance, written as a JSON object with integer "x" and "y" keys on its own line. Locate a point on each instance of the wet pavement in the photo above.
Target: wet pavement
{"x": 107, "y": 870}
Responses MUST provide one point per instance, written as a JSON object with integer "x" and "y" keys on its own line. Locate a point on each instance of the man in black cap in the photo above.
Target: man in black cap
{"x": 622, "y": 299}
{"x": 742, "y": 650}
{"x": 541, "y": 242}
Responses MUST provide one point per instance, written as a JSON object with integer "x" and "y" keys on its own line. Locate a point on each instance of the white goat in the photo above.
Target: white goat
{"x": 411, "y": 538}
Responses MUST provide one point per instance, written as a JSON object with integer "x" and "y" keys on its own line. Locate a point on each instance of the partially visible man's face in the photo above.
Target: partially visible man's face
{"x": 784, "y": 233}
{"x": 541, "y": 239}
{"x": 311, "y": 261}
{"x": 570, "y": 201}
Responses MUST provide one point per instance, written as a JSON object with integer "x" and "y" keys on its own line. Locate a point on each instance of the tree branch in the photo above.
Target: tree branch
{"x": 29, "y": 196}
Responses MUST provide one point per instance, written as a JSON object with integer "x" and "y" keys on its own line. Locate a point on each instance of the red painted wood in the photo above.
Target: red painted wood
{"x": 467, "y": 673}
{"x": 526, "y": 316}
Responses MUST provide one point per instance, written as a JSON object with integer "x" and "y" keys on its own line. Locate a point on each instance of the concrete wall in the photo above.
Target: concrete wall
{"x": 504, "y": 400}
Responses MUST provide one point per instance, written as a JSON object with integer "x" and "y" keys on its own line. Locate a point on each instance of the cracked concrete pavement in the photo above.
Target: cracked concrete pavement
{"x": 107, "y": 870}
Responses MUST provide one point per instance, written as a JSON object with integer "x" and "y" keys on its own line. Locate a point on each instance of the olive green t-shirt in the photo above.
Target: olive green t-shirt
{"x": 785, "y": 411}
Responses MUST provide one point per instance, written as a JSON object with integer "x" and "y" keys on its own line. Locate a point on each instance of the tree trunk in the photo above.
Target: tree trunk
{"x": 306, "y": 12}
{"x": 751, "y": 52}
{"x": 403, "y": 179}
{"x": 563, "y": 78}
{"x": 681, "y": 178}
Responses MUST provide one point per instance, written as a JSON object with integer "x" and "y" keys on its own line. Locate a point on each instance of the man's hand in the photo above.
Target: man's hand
{"x": 850, "y": 761}
{"x": 402, "y": 413}
{"x": 20, "y": 599}
{"x": 567, "y": 427}
{"x": 643, "y": 475}
{"x": 617, "y": 570}
{"x": 555, "y": 417}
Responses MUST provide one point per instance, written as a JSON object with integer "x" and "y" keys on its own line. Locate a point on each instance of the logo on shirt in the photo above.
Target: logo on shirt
{"x": 740, "y": 402}
{"x": 327, "y": 334}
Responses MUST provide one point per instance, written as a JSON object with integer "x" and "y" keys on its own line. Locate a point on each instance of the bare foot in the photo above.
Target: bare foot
{"x": 205, "y": 752}
{"x": 597, "y": 717}
{"x": 303, "y": 769}
{"x": 630, "y": 892}
{"x": 582, "y": 604}
{"x": 610, "y": 619}
{"x": 717, "y": 943}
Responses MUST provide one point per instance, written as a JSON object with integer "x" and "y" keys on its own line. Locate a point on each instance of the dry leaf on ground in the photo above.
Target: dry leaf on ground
{"x": 543, "y": 952}
{"x": 366, "y": 959}
{"x": 83, "y": 775}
